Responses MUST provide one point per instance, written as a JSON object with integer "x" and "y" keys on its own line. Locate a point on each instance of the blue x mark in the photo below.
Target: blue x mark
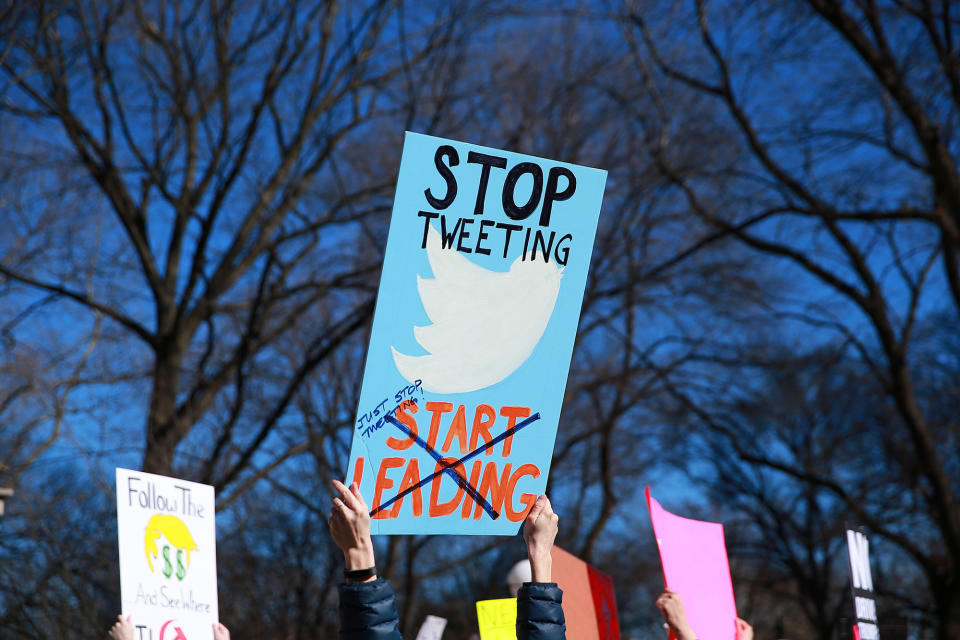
{"x": 448, "y": 467}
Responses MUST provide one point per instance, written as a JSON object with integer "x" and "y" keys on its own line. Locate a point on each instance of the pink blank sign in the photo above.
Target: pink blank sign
{"x": 694, "y": 558}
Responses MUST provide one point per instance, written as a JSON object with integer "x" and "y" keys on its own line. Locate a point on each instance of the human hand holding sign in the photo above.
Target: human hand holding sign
{"x": 220, "y": 631}
{"x": 122, "y": 629}
{"x": 539, "y": 531}
{"x": 671, "y": 606}
{"x": 350, "y": 527}
{"x": 744, "y": 630}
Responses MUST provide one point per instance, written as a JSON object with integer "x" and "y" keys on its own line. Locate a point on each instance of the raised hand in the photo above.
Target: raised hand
{"x": 122, "y": 629}
{"x": 220, "y": 631}
{"x": 539, "y": 531}
{"x": 350, "y": 527}
{"x": 671, "y": 606}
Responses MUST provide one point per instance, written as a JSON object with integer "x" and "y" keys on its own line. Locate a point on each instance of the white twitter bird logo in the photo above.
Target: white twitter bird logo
{"x": 485, "y": 324}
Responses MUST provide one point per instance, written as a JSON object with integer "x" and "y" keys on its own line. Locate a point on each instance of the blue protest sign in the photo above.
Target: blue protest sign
{"x": 483, "y": 278}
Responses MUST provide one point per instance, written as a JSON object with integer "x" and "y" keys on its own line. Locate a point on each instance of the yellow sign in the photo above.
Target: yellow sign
{"x": 497, "y": 619}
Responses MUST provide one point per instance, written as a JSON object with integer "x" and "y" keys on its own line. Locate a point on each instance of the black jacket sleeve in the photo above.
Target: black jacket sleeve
{"x": 539, "y": 614}
{"x": 368, "y": 611}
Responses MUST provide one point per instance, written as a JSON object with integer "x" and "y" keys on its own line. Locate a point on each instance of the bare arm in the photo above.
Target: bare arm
{"x": 539, "y": 531}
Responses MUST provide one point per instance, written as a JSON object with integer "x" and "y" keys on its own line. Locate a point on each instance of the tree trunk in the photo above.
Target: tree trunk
{"x": 163, "y": 433}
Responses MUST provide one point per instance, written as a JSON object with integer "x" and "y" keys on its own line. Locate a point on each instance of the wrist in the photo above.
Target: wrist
{"x": 541, "y": 568}
{"x": 361, "y": 575}
{"x": 684, "y": 632}
{"x": 359, "y": 557}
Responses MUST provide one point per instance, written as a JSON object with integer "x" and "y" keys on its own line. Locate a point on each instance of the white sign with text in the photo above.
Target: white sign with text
{"x": 168, "y": 559}
{"x": 861, "y": 583}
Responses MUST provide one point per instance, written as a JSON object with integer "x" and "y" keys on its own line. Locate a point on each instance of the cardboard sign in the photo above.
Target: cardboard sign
{"x": 168, "y": 556}
{"x": 497, "y": 619}
{"x": 432, "y": 628}
{"x": 695, "y": 565}
{"x": 861, "y": 583}
{"x": 589, "y": 606}
{"x": 483, "y": 278}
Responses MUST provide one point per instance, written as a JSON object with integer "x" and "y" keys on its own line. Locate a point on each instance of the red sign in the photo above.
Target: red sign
{"x": 589, "y": 606}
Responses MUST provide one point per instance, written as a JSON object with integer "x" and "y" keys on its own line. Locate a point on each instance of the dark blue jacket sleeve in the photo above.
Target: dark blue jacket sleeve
{"x": 539, "y": 614}
{"x": 368, "y": 611}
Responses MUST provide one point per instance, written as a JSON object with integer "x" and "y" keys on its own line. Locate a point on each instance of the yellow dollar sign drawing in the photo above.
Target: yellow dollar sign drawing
{"x": 173, "y": 529}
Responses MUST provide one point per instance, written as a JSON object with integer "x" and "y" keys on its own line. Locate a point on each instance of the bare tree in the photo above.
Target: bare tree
{"x": 217, "y": 140}
{"x": 211, "y": 180}
{"x": 839, "y": 165}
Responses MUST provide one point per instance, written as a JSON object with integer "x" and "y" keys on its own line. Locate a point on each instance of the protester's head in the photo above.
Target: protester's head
{"x": 517, "y": 575}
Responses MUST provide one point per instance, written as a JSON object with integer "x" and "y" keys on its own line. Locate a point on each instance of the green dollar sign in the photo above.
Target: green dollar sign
{"x": 167, "y": 567}
{"x": 181, "y": 570}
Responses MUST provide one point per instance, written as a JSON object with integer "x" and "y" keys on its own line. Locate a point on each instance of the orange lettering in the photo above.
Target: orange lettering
{"x": 496, "y": 489}
{"x": 483, "y": 419}
{"x": 467, "y": 499}
{"x": 411, "y": 478}
{"x": 358, "y": 471}
{"x": 459, "y": 428}
{"x": 446, "y": 508}
{"x": 512, "y": 413}
{"x": 526, "y": 499}
{"x": 407, "y": 420}
{"x": 438, "y": 409}
{"x": 384, "y": 483}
